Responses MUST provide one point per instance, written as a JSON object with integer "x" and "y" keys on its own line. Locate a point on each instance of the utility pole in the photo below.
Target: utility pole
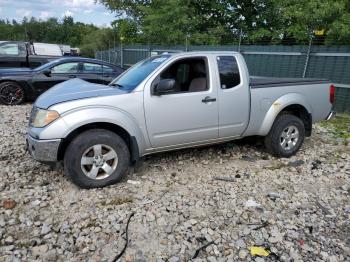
{"x": 307, "y": 57}
{"x": 121, "y": 52}
{"x": 109, "y": 51}
{"x": 25, "y": 32}
{"x": 186, "y": 42}
{"x": 114, "y": 45}
{"x": 114, "y": 50}
{"x": 240, "y": 40}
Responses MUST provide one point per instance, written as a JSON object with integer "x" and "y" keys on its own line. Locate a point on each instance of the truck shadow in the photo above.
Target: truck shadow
{"x": 248, "y": 148}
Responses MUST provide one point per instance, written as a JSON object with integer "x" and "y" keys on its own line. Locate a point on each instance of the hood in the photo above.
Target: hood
{"x": 73, "y": 90}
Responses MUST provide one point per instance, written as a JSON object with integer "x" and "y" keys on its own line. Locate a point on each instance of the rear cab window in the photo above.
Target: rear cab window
{"x": 228, "y": 72}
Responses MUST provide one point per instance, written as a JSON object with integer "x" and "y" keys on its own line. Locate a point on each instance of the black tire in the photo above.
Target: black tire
{"x": 86, "y": 140}
{"x": 11, "y": 93}
{"x": 273, "y": 140}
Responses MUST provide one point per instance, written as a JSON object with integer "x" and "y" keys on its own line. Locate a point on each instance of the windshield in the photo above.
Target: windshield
{"x": 135, "y": 75}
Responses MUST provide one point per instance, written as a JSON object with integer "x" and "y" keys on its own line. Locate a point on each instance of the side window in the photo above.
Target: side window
{"x": 107, "y": 69}
{"x": 66, "y": 68}
{"x": 9, "y": 49}
{"x": 229, "y": 72}
{"x": 190, "y": 75}
{"x": 92, "y": 68}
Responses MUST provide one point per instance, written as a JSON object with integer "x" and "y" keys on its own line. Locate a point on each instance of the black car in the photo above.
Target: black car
{"x": 18, "y": 84}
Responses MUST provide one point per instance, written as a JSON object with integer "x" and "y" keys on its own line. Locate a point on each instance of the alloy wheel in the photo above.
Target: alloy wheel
{"x": 289, "y": 137}
{"x": 99, "y": 161}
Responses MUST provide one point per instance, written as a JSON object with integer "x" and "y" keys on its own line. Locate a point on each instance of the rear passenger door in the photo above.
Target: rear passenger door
{"x": 92, "y": 73}
{"x": 234, "y": 97}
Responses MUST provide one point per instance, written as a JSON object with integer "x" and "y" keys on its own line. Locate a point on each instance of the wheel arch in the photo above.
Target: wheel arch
{"x": 130, "y": 140}
{"x": 294, "y": 104}
{"x": 302, "y": 113}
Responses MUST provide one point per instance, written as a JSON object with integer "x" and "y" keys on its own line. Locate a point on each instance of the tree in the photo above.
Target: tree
{"x": 126, "y": 29}
{"x": 170, "y": 22}
{"x": 66, "y": 31}
{"x": 206, "y": 21}
{"x": 303, "y": 18}
{"x": 101, "y": 39}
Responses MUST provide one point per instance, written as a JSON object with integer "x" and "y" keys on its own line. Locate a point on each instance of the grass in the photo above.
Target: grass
{"x": 339, "y": 126}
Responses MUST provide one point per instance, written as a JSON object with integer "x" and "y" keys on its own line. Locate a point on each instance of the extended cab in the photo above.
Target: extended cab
{"x": 169, "y": 102}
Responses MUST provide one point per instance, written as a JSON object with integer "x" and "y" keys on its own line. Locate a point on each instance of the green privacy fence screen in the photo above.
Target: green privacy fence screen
{"x": 329, "y": 62}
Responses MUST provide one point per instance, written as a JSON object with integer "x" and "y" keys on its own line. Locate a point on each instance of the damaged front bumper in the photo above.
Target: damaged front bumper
{"x": 43, "y": 150}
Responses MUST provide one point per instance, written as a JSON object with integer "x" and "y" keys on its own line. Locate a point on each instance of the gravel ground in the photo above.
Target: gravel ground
{"x": 298, "y": 208}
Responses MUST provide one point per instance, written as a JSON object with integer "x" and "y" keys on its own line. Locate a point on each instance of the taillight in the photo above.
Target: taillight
{"x": 331, "y": 94}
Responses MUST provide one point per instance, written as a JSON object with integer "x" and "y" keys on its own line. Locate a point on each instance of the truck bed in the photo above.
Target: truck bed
{"x": 266, "y": 82}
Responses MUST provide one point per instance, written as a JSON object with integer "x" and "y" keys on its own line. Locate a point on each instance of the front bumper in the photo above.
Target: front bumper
{"x": 331, "y": 115}
{"x": 43, "y": 150}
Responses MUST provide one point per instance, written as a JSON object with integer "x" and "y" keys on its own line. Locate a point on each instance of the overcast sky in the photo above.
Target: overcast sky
{"x": 82, "y": 10}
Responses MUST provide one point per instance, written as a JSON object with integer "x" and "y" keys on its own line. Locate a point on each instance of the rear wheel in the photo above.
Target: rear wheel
{"x": 286, "y": 136}
{"x": 11, "y": 93}
{"x": 96, "y": 158}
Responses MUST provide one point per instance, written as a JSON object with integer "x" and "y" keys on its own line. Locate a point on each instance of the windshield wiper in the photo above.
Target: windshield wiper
{"x": 116, "y": 85}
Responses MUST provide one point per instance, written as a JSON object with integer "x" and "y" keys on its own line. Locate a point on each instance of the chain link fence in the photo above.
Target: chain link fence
{"x": 309, "y": 61}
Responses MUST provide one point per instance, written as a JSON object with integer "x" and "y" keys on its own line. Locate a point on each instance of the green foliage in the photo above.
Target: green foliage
{"x": 195, "y": 22}
{"x": 101, "y": 39}
{"x": 87, "y": 37}
{"x": 302, "y": 18}
{"x": 221, "y": 22}
{"x": 339, "y": 126}
{"x": 126, "y": 29}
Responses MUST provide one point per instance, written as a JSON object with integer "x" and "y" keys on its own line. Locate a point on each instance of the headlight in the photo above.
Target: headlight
{"x": 42, "y": 117}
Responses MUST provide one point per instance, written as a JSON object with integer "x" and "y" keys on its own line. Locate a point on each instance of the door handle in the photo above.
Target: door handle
{"x": 72, "y": 76}
{"x": 208, "y": 99}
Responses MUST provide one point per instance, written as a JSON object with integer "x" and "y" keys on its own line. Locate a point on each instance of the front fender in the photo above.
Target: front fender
{"x": 81, "y": 116}
{"x": 280, "y": 104}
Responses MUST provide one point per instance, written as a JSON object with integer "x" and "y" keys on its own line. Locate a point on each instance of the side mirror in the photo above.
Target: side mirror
{"x": 47, "y": 72}
{"x": 164, "y": 86}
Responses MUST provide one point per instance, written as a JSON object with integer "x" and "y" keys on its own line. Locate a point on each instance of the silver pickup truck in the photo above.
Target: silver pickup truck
{"x": 169, "y": 102}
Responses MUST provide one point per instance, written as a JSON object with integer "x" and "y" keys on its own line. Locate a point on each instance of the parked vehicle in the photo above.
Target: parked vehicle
{"x": 69, "y": 51}
{"x": 75, "y": 51}
{"x": 170, "y": 102}
{"x": 26, "y": 54}
{"x": 66, "y": 49}
{"x": 19, "y": 85}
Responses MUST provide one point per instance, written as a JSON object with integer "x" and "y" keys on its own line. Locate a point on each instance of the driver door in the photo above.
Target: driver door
{"x": 184, "y": 116}
{"x": 59, "y": 74}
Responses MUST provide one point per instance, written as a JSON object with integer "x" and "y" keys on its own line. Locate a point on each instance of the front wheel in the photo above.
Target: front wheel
{"x": 286, "y": 136}
{"x": 96, "y": 158}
